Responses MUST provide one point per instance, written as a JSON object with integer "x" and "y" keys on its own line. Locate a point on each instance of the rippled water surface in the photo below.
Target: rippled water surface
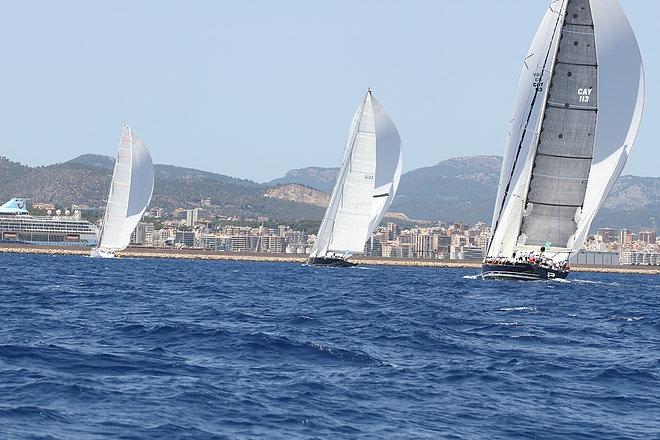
{"x": 198, "y": 349}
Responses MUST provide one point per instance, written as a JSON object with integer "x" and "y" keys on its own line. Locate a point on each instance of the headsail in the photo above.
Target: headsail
{"x": 366, "y": 185}
{"x": 566, "y": 149}
{"x": 130, "y": 192}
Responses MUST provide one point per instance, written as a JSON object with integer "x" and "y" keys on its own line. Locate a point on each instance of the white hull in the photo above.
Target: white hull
{"x": 98, "y": 253}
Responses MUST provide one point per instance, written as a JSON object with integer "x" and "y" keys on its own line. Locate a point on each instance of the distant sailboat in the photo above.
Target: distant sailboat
{"x": 130, "y": 192}
{"x": 366, "y": 185}
{"x": 576, "y": 115}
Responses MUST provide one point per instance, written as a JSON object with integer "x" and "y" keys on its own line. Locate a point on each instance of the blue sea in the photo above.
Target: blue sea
{"x": 174, "y": 349}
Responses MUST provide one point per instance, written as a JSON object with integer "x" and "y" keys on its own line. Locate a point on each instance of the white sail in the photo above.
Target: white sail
{"x": 621, "y": 104}
{"x": 366, "y": 185}
{"x": 130, "y": 193}
{"x": 577, "y": 112}
{"x": 389, "y": 165}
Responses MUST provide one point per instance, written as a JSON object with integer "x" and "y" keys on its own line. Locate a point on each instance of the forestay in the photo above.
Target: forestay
{"x": 130, "y": 192}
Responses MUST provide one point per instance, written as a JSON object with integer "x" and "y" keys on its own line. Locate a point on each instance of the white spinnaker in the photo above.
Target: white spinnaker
{"x": 518, "y": 153}
{"x": 372, "y": 157}
{"x": 130, "y": 192}
{"x": 620, "y": 108}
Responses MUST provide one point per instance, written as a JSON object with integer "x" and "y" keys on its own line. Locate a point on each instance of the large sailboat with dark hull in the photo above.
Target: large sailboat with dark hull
{"x": 366, "y": 185}
{"x": 576, "y": 115}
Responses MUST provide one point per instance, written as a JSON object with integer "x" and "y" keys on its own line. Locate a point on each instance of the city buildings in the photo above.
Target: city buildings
{"x": 203, "y": 227}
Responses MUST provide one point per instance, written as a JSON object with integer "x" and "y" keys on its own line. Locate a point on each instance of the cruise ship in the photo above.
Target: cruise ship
{"x": 18, "y": 226}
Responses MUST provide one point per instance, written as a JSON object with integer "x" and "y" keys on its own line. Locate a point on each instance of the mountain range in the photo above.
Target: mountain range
{"x": 461, "y": 188}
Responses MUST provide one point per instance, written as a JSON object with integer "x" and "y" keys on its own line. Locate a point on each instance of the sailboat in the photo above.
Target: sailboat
{"x": 366, "y": 185}
{"x": 130, "y": 192}
{"x": 576, "y": 115}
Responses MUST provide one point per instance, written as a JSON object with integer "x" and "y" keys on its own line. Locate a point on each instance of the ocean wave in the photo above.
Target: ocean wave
{"x": 626, "y": 318}
{"x": 349, "y": 355}
{"x": 602, "y": 283}
{"x": 560, "y": 280}
{"x": 626, "y": 373}
{"x": 517, "y": 309}
{"x": 190, "y": 349}
{"x": 32, "y": 413}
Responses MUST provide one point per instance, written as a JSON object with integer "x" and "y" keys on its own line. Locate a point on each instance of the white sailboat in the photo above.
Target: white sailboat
{"x": 576, "y": 115}
{"x": 130, "y": 193}
{"x": 366, "y": 185}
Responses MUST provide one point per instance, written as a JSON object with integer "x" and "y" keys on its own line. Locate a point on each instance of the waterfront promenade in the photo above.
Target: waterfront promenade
{"x": 203, "y": 254}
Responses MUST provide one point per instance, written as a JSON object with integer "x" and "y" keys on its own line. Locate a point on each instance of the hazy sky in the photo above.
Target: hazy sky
{"x": 254, "y": 88}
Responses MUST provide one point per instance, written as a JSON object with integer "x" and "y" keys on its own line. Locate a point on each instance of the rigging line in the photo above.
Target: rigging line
{"x": 529, "y": 116}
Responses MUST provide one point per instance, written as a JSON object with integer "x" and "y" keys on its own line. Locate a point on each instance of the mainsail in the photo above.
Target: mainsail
{"x": 130, "y": 192}
{"x": 366, "y": 185}
{"x": 576, "y": 115}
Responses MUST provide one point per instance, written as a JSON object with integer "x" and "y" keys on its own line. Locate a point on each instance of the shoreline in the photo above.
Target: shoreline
{"x": 202, "y": 254}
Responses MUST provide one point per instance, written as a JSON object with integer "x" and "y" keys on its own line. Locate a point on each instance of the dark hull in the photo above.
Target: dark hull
{"x": 330, "y": 262}
{"x": 520, "y": 271}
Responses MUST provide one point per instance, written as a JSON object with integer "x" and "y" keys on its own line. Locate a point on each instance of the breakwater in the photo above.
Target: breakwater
{"x": 203, "y": 254}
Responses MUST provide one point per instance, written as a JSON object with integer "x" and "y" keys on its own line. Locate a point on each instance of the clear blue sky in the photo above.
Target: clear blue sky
{"x": 254, "y": 88}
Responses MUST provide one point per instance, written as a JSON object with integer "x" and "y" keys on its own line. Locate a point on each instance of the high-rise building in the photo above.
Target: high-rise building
{"x": 214, "y": 242}
{"x": 373, "y": 248}
{"x": 625, "y": 237}
{"x": 442, "y": 245}
{"x": 273, "y": 244}
{"x": 607, "y": 235}
{"x": 423, "y": 246}
{"x": 245, "y": 243}
{"x": 191, "y": 216}
{"x": 139, "y": 234}
{"x": 647, "y": 236}
{"x": 393, "y": 230}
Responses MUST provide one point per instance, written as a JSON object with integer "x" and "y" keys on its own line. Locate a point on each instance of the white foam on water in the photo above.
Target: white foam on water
{"x": 602, "y": 283}
{"x": 560, "y": 280}
{"x": 516, "y": 309}
{"x": 509, "y": 324}
{"x": 471, "y": 277}
{"x": 626, "y": 318}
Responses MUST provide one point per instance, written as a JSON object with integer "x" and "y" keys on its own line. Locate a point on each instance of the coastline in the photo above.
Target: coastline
{"x": 202, "y": 254}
